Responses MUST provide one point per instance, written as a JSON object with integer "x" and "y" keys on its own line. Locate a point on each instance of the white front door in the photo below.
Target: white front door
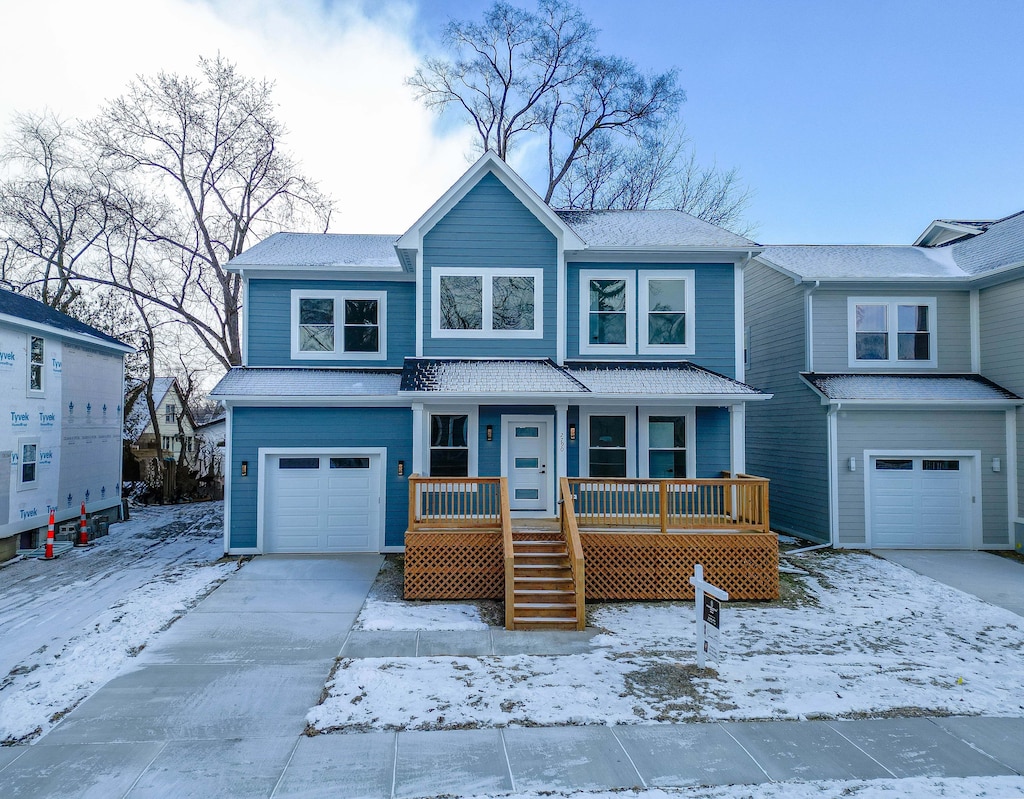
{"x": 529, "y": 462}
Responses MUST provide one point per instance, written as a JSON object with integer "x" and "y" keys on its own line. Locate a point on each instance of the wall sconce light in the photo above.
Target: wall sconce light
{"x": 853, "y": 464}
{"x": 996, "y": 465}
{"x": 490, "y": 432}
{"x": 245, "y": 468}
{"x": 572, "y": 432}
{"x": 401, "y": 468}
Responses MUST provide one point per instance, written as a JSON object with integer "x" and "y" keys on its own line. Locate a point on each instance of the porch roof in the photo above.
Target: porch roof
{"x": 252, "y": 383}
{"x": 488, "y": 375}
{"x": 657, "y": 377}
{"x": 958, "y": 388}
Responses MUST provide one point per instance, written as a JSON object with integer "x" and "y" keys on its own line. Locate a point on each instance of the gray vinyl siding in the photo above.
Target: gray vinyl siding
{"x": 270, "y": 323}
{"x": 831, "y": 330}
{"x": 490, "y": 227}
{"x": 1002, "y": 352}
{"x": 787, "y": 436}
{"x": 253, "y": 428}
{"x": 715, "y": 310}
{"x": 893, "y": 431}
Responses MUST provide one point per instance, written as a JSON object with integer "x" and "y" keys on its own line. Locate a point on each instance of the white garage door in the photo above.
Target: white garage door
{"x": 322, "y": 503}
{"x": 920, "y": 502}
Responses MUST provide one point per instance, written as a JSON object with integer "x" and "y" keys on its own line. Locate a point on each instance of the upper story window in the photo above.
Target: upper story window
{"x": 170, "y": 413}
{"x": 339, "y": 325}
{"x": 36, "y": 361}
{"x": 487, "y": 303}
{"x": 892, "y": 332}
{"x": 650, "y": 312}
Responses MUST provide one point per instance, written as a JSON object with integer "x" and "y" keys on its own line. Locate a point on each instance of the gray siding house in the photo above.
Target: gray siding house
{"x": 897, "y": 374}
{"x": 496, "y": 337}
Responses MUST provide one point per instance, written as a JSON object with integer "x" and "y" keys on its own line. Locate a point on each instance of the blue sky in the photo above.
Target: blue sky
{"x": 853, "y": 122}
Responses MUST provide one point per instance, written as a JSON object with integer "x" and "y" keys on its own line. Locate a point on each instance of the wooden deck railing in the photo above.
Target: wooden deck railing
{"x": 738, "y": 502}
{"x": 454, "y": 502}
{"x": 508, "y": 555}
{"x": 571, "y": 532}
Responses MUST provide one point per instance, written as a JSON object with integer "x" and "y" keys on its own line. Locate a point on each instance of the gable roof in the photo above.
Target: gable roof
{"x": 649, "y": 228}
{"x": 138, "y": 419}
{"x": 862, "y": 262}
{"x": 303, "y": 250}
{"x": 489, "y": 162}
{"x": 25, "y": 309}
{"x": 999, "y": 245}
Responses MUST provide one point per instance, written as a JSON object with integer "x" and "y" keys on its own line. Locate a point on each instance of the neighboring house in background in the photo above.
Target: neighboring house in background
{"x": 496, "y": 337}
{"x": 897, "y": 374}
{"x": 62, "y": 383}
{"x": 175, "y": 424}
{"x": 211, "y": 432}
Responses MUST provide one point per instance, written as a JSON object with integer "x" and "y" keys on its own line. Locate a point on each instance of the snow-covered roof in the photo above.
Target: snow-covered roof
{"x": 354, "y": 250}
{"x": 138, "y": 418}
{"x": 650, "y": 228}
{"x": 27, "y": 309}
{"x": 860, "y": 261}
{"x": 1000, "y": 244}
{"x": 665, "y": 378}
{"x": 257, "y": 382}
{"x": 487, "y": 375}
{"x": 904, "y": 387}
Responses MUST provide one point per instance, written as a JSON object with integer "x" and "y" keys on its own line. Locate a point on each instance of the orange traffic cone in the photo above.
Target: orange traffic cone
{"x": 49, "y": 539}
{"x": 83, "y": 534}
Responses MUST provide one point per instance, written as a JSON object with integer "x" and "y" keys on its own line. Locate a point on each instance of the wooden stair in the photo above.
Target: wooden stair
{"x": 544, "y": 595}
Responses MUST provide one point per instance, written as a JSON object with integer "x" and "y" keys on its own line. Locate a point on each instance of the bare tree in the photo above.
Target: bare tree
{"x": 197, "y": 174}
{"x": 51, "y": 210}
{"x": 520, "y": 73}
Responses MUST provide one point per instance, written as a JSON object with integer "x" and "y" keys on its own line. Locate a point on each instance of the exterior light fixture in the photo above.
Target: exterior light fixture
{"x": 245, "y": 468}
{"x": 572, "y": 432}
{"x": 996, "y": 465}
{"x": 853, "y": 464}
{"x": 490, "y": 432}
{"x": 401, "y": 468}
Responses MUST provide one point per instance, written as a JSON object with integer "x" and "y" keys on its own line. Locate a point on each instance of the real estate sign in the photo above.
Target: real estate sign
{"x": 707, "y": 603}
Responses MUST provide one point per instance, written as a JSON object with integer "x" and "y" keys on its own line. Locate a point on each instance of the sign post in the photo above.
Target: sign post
{"x": 707, "y": 604}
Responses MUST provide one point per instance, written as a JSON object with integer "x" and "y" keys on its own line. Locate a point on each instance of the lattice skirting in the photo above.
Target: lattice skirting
{"x": 659, "y": 566}
{"x": 460, "y": 565}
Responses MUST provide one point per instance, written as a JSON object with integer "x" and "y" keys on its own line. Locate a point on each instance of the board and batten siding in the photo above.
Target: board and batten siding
{"x": 269, "y": 318}
{"x": 491, "y": 228}
{"x": 1002, "y": 353}
{"x": 938, "y": 431}
{"x": 253, "y": 428}
{"x": 787, "y": 436}
{"x": 831, "y": 330}
{"x": 715, "y": 312}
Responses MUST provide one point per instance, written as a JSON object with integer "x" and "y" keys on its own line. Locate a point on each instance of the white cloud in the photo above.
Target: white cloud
{"x": 339, "y": 73}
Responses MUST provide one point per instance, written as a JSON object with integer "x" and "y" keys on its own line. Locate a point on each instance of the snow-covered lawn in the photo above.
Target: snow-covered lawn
{"x": 866, "y": 637}
{"x": 68, "y": 626}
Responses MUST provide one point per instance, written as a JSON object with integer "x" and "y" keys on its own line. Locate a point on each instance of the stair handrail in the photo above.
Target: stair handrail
{"x": 571, "y": 531}
{"x": 508, "y": 553}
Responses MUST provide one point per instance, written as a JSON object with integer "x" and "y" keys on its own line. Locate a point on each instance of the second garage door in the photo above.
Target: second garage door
{"x": 920, "y": 502}
{"x": 322, "y": 503}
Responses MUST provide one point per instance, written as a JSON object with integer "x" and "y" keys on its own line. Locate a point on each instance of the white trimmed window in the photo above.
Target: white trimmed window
{"x": 28, "y": 462}
{"x": 667, "y": 437}
{"x": 486, "y": 303}
{"x": 36, "y": 364}
{"x": 451, "y": 443}
{"x": 607, "y": 312}
{"x": 666, "y": 300}
{"x": 339, "y": 325}
{"x": 892, "y": 332}
{"x": 608, "y": 446}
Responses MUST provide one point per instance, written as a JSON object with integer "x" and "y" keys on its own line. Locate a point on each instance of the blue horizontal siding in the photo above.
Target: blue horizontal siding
{"x": 489, "y": 452}
{"x": 253, "y": 428}
{"x": 715, "y": 323}
{"x": 713, "y": 431}
{"x": 269, "y": 319}
{"x": 490, "y": 227}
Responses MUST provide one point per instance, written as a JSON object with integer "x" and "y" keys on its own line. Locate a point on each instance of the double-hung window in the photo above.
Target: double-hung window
{"x": 666, "y": 443}
{"x": 28, "y": 456}
{"x": 487, "y": 303}
{"x": 170, "y": 413}
{"x": 609, "y": 438}
{"x": 649, "y": 312}
{"x": 36, "y": 363}
{"x": 339, "y": 325}
{"x": 449, "y": 445}
{"x": 892, "y": 332}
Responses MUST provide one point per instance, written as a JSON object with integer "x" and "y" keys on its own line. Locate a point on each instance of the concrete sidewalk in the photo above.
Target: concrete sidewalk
{"x": 217, "y": 709}
{"x": 995, "y": 579}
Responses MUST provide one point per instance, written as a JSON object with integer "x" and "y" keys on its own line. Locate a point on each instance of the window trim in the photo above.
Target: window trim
{"x": 472, "y": 436}
{"x": 41, "y": 391}
{"x": 631, "y": 440}
{"x": 339, "y": 296}
{"x": 892, "y": 317}
{"x": 689, "y": 278}
{"x": 644, "y": 437}
{"x": 486, "y": 275}
{"x": 26, "y": 485}
{"x": 629, "y": 277}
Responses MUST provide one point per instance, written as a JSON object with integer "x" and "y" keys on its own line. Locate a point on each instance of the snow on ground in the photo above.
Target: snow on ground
{"x": 379, "y": 615}
{"x": 868, "y": 637}
{"x": 68, "y": 626}
{"x": 914, "y": 788}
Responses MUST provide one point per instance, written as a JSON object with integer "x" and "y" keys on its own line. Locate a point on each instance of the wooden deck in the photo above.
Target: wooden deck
{"x": 613, "y": 539}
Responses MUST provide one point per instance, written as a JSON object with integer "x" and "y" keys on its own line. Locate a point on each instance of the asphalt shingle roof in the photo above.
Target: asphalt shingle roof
{"x": 499, "y": 376}
{"x": 322, "y": 249}
{"x": 649, "y": 228}
{"x": 655, "y": 378}
{"x": 31, "y": 310}
{"x": 948, "y": 388}
{"x": 858, "y": 261}
{"x": 256, "y": 382}
{"x": 1001, "y": 244}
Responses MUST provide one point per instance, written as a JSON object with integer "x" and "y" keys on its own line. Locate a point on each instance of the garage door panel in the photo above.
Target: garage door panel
{"x": 920, "y": 502}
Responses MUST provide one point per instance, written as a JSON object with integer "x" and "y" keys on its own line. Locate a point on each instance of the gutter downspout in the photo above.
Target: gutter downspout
{"x": 833, "y": 472}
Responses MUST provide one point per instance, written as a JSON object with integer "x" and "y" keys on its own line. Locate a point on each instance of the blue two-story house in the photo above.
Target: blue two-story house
{"x": 495, "y": 337}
